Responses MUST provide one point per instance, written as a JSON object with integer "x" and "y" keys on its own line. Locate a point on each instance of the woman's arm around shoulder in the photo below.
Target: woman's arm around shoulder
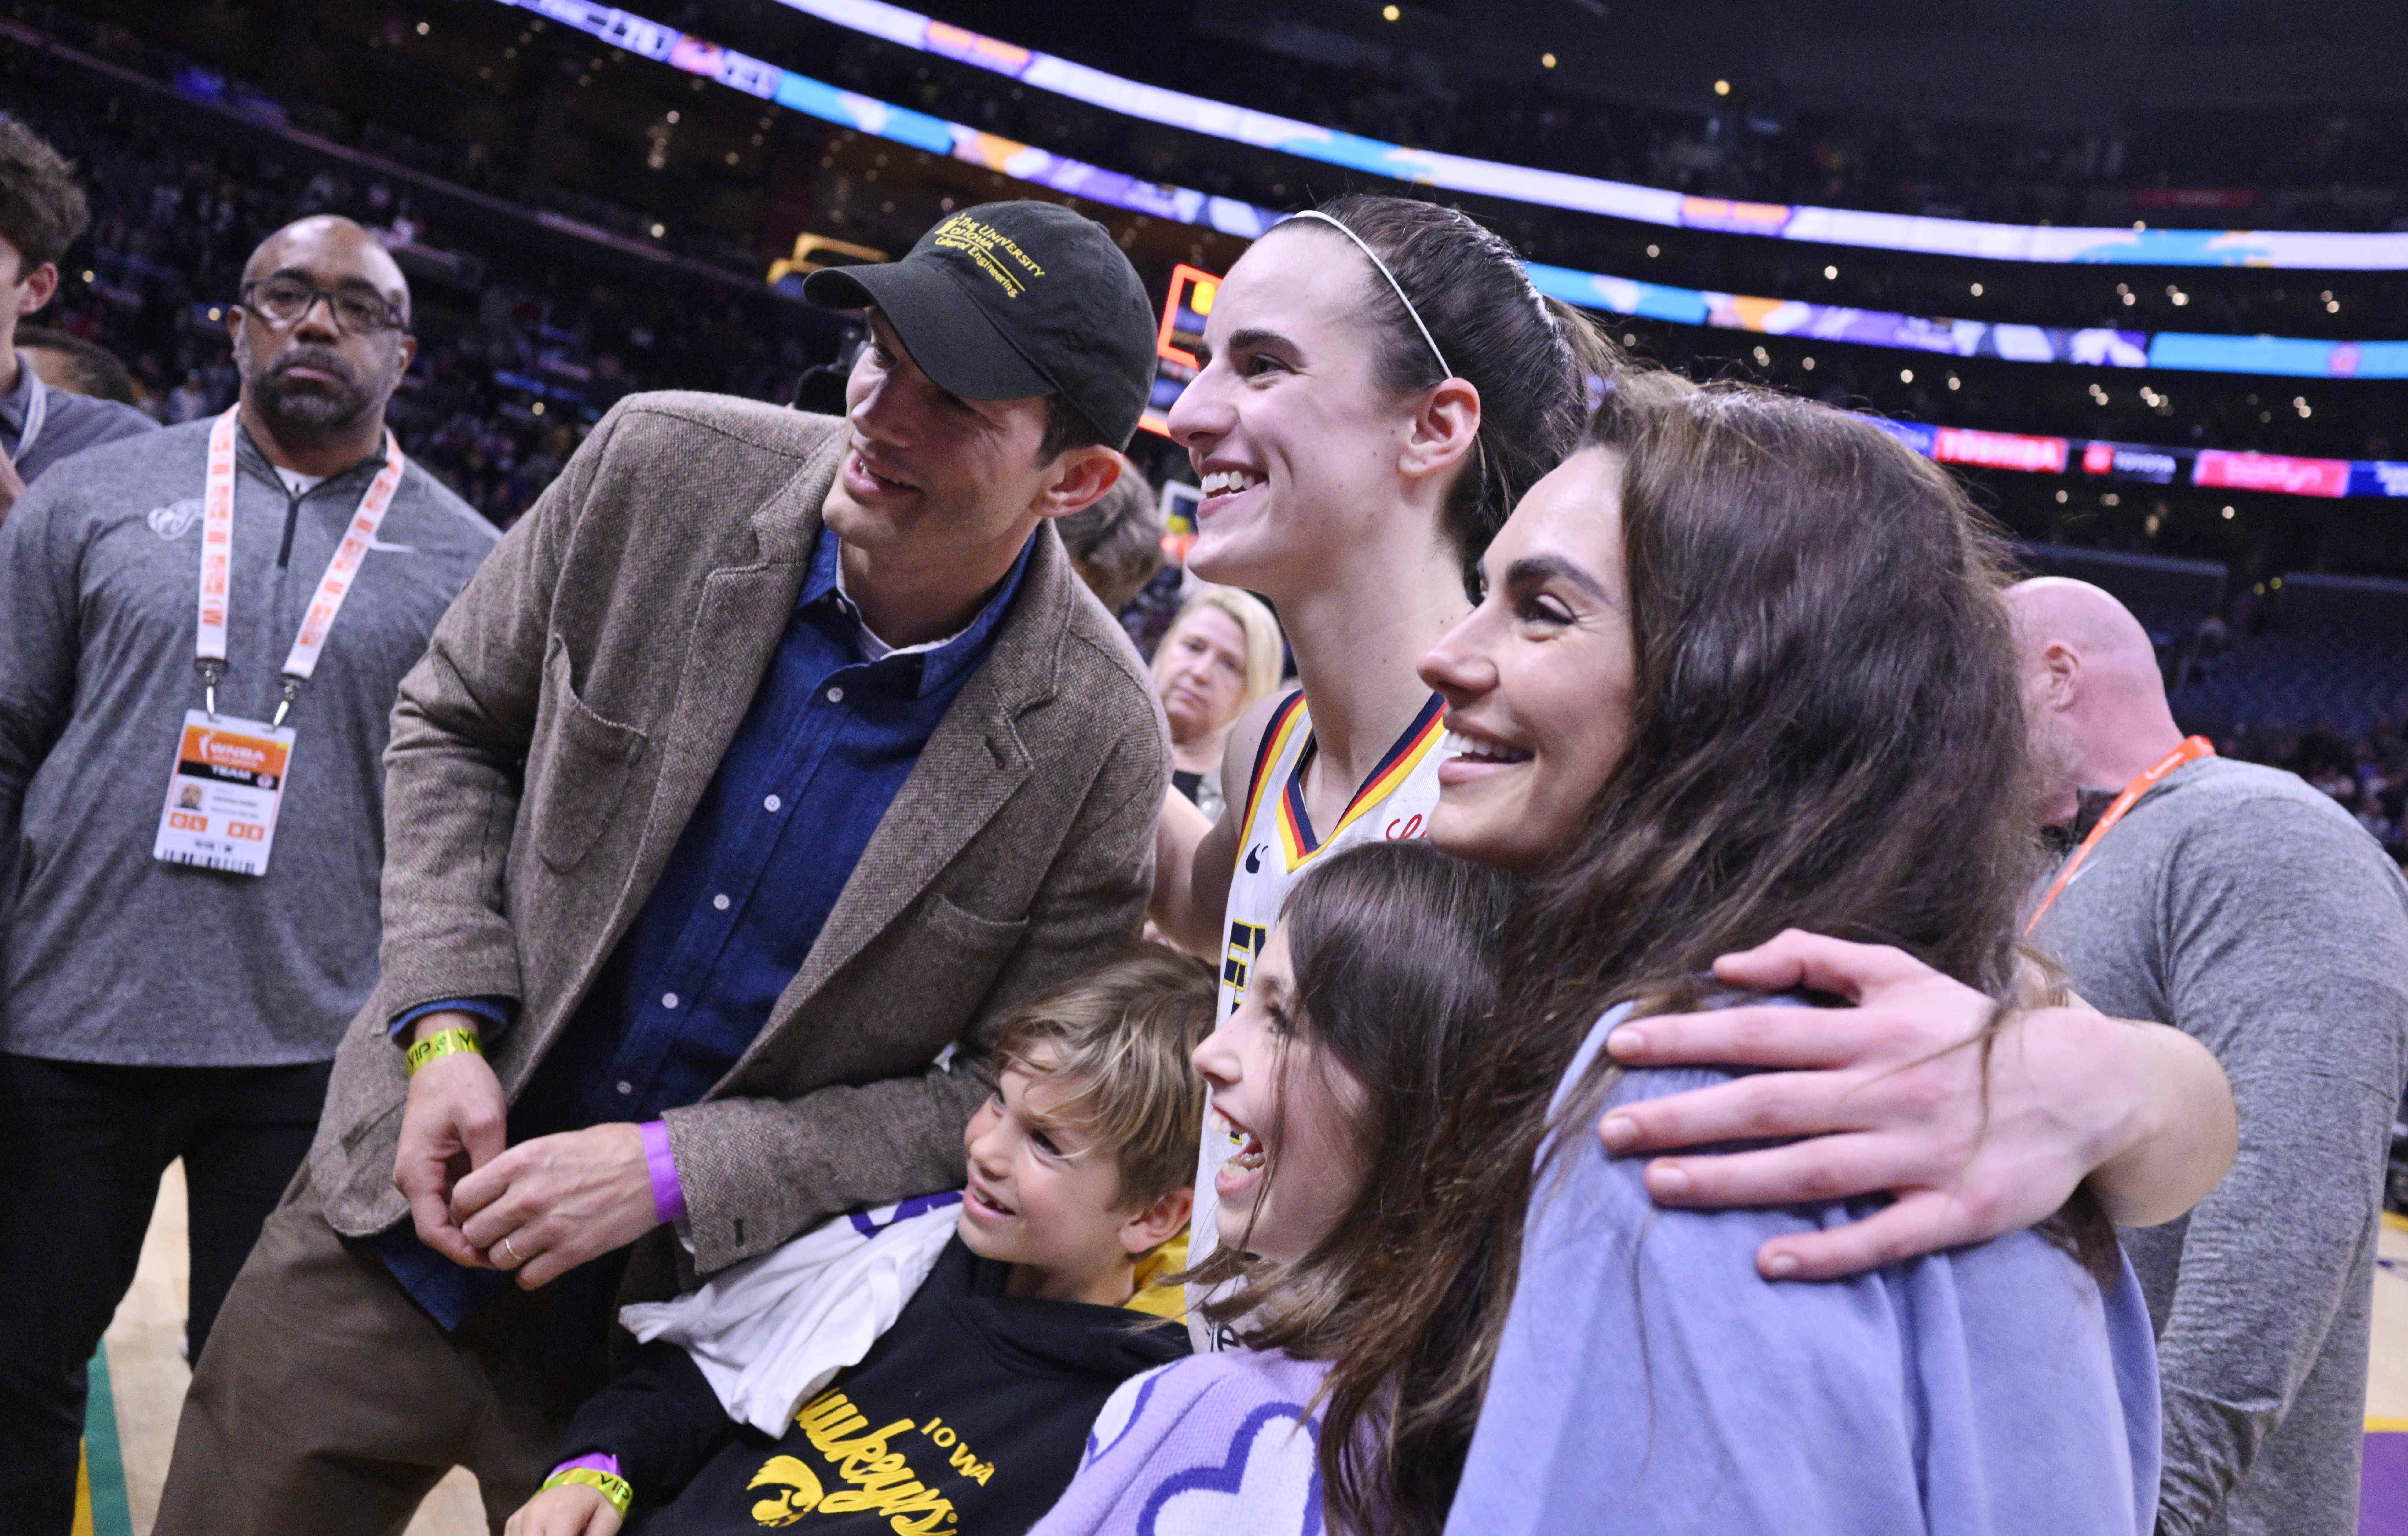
{"x": 1896, "y": 1092}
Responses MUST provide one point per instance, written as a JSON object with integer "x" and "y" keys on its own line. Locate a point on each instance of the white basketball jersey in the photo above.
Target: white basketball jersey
{"x": 1276, "y": 845}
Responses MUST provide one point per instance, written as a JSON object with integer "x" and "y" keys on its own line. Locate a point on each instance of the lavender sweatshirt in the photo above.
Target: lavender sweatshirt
{"x": 1648, "y": 1382}
{"x": 1212, "y": 1445}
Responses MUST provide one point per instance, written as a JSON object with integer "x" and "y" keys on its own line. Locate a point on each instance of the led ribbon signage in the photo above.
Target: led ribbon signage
{"x": 2279, "y": 473}
{"x": 2092, "y": 347}
{"x": 2309, "y": 248}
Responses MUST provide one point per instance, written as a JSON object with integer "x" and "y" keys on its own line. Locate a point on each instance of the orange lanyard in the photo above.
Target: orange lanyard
{"x": 2191, "y": 750}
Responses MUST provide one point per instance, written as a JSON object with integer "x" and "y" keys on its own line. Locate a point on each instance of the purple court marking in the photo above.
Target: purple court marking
{"x": 2383, "y": 1488}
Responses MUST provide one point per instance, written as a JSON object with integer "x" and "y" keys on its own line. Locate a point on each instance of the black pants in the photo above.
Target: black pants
{"x": 82, "y": 1147}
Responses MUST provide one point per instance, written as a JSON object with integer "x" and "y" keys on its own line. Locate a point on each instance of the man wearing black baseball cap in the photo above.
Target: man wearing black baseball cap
{"x": 766, "y": 765}
{"x": 985, "y": 319}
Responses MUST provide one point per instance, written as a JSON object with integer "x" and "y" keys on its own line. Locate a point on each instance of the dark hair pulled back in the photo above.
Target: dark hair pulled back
{"x": 1529, "y": 356}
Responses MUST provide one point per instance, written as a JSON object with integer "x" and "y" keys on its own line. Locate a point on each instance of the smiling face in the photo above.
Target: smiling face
{"x": 1296, "y": 1112}
{"x": 1539, "y": 680}
{"x": 934, "y": 478}
{"x": 1043, "y": 1198}
{"x": 1200, "y": 672}
{"x": 1296, "y": 446}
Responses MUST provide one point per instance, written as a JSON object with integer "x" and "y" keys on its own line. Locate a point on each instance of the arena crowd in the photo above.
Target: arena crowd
{"x": 1614, "y": 972}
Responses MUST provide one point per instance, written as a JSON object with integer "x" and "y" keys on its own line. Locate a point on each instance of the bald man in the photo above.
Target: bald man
{"x": 2240, "y": 906}
{"x": 190, "y": 813}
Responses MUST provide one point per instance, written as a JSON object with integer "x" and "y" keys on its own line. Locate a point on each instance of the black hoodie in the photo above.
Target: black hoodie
{"x": 967, "y": 1416}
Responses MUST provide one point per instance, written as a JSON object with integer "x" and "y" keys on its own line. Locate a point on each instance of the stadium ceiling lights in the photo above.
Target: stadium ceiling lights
{"x": 2136, "y": 246}
{"x": 2087, "y": 347}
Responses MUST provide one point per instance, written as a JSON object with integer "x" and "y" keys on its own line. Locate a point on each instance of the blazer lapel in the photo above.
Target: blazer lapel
{"x": 974, "y": 764}
{"x": 738, "y": 627}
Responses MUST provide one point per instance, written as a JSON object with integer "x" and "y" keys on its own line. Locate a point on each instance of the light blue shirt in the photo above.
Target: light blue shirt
{"x": 1649, "y": 1380}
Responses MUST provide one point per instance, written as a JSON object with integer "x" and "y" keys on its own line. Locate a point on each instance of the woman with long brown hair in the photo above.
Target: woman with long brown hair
{"x": 1740, "y": 667}
{"x": 1380, "y": 385}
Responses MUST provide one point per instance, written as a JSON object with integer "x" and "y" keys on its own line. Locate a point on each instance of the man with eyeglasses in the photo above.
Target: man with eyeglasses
{"x": 202, "y": 633}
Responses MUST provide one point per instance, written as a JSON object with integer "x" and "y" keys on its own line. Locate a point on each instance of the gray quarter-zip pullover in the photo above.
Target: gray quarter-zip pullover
{"x": 106, "y": 953}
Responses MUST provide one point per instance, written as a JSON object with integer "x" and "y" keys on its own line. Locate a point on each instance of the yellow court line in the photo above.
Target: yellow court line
{"x": 2387, "y": 1426}
{"x": 2394, "y": 1220}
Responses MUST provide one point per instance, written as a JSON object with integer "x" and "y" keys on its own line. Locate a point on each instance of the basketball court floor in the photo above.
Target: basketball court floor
{"x": 138, "y": 1382}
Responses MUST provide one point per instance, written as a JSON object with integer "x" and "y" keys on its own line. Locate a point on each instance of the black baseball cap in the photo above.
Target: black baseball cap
{"x": 1008, "y": 300}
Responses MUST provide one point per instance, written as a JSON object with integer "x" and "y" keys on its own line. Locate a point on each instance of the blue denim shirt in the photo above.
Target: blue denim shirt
{"x": 829, "y": 739}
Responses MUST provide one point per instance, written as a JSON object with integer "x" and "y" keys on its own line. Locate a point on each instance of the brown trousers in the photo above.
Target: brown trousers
{"x": 328, "y": 1401}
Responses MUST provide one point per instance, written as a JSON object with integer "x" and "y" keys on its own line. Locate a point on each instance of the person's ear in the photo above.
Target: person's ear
{"x": 1158, "y": 1223}
{"x": 1079, "y": 480}
{"x": 1445, "y": 431}
{"x": 38, "y": 289}
{"x": 2060, "y": 680}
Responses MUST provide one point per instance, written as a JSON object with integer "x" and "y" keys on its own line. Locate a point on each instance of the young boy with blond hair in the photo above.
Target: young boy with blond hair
{"x": 969, "y": 1413}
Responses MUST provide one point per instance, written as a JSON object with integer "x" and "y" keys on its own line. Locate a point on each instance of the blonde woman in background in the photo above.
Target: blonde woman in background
{"x": 1220, "y": 654}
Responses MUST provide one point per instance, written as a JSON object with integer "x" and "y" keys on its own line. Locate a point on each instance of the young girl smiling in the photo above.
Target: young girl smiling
{"x": 1367, "y": 1003}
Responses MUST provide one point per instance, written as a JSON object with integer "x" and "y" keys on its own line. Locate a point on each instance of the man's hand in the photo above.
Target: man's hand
{"x": 452, "y": 1124}
{"x": 11, "y": 487}
{"x": 1892, "y": 1095}
{"x": 572, "y": 1509}
{"x": 547, "y": 1205}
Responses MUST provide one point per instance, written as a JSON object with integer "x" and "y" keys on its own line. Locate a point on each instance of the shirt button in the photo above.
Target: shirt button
{"x": 771, "y": 803}
{"x": 836, "y": 695}
{"x": 668, "y": 1000}
{"x": 720, "y": 902}
{"x": 627, "y": 1088}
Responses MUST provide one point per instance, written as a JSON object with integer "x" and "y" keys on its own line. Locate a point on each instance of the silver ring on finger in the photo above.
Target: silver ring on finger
{"x": 511, "y": 1248}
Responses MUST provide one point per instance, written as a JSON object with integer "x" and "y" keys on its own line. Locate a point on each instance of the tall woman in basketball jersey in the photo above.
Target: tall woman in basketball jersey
{"x": 1380, "y": 385}
{"x": 1358, "y": 451}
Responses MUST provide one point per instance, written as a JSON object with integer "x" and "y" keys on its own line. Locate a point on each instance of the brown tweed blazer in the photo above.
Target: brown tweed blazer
{"x": 548, "y": 750}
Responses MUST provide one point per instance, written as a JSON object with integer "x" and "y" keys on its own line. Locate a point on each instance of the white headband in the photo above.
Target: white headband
{"x": 1374, "y": 257}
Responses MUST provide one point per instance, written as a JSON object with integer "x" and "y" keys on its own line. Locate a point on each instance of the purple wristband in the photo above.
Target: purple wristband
{"x": 601, "y": 1461}
{"x": 669, "y": 1196}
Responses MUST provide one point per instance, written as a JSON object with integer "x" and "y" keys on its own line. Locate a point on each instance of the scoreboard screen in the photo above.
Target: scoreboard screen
{"x": 1184, "y": 310}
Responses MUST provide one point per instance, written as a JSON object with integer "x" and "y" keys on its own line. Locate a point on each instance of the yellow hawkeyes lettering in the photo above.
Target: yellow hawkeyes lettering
{"x": 883, "y": 1480}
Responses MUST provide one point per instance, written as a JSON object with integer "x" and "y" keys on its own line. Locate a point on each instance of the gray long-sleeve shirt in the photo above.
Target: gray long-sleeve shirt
{"x": 106, "y": 953}
{"x": 70, "y": 424}
{"x": 2253, "y": 912}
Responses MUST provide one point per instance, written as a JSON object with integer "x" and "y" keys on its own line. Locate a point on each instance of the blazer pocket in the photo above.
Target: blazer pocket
{"x": 366, "y": 1125}
{"x": 958, "y": 925}
{"x": 578, "y": 770}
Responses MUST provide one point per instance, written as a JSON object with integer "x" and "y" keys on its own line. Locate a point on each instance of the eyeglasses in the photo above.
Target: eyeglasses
{"x": 282, "y": 300}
